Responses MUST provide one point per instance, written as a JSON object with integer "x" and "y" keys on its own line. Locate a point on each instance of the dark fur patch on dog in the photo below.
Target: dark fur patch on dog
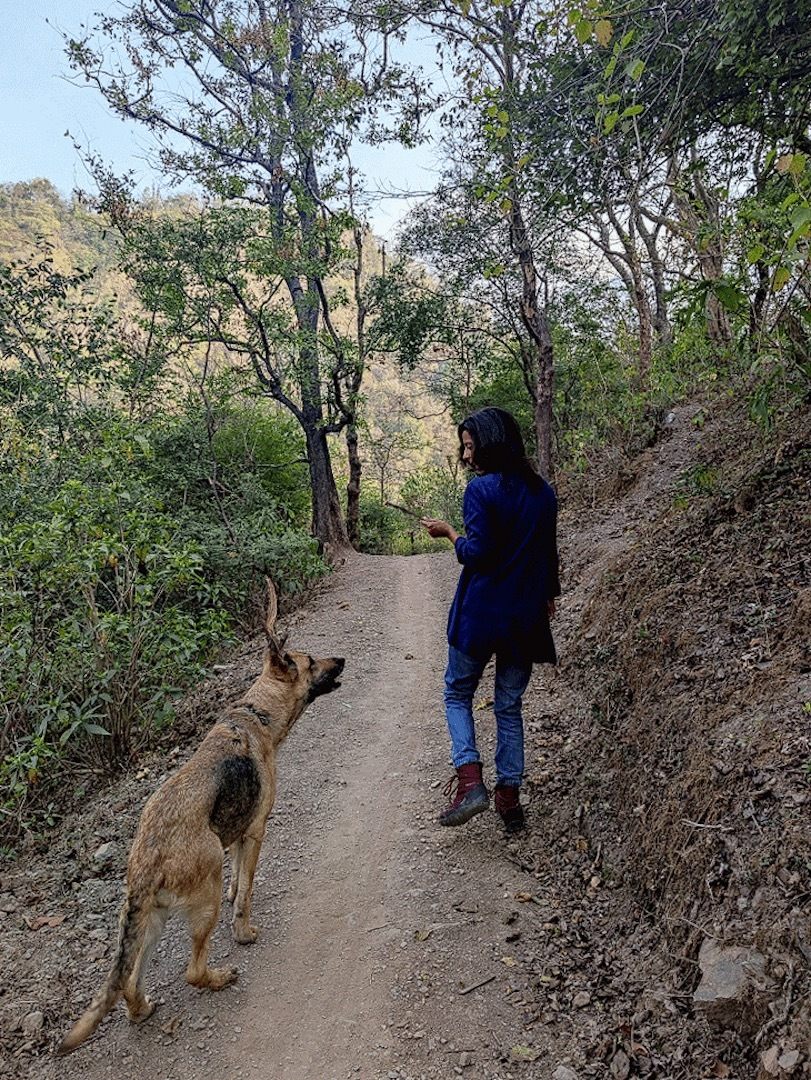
{"x": 238, "y": 789}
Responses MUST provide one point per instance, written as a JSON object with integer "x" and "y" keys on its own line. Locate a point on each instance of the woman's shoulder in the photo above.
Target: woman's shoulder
{"x": 483, "y": 486}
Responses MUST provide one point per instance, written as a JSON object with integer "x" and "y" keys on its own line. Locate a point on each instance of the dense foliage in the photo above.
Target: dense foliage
{"x": 136, "y": 526}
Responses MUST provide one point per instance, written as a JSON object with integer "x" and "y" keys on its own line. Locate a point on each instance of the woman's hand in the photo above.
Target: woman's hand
{"x": 438, "y": 529}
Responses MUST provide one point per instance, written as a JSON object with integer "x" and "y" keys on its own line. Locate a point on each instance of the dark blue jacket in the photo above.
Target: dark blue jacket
{"x": 509, "y": 558}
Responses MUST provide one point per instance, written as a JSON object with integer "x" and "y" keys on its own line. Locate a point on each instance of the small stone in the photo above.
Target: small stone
{"x": 563, "y": 1072}
{"x": 104, "y": 852}
{"x": 768, "y": 1063}
{"x": 789, "y": 1061}
{"x": 732, "y": 980}
{"x": 581, "y": 999}
{"x": 620, "y": 1066}
{"x": 33, "y": 1023}
{"x": 9, "y": 903}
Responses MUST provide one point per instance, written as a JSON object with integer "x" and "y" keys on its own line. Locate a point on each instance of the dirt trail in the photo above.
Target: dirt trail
{"x": 372, "y": 918}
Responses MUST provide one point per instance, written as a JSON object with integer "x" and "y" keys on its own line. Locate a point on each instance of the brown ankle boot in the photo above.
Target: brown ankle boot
{"x": 509, "y": 808}
{"x": 471, "y": 796}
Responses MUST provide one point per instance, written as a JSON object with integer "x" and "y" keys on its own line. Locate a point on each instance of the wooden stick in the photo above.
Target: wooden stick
{"x": 404, "y": 510}
{"x": 476, "y": 985}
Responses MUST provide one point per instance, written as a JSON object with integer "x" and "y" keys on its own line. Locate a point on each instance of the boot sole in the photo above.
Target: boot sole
{"x": 473, "y": 804}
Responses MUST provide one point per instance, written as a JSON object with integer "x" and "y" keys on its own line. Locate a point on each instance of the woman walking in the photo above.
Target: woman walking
{"x": 503, "y": 603}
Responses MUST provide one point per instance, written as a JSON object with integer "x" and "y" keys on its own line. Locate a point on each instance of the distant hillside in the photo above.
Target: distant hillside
{"x": 34, "y": 211}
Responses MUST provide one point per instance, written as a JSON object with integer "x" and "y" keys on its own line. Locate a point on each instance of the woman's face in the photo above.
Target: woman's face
{"x": 468, "y": 450}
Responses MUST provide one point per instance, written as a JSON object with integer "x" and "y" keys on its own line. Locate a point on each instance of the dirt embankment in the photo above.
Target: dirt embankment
{"x": 667, "y": 806}
{"x": 693, "y": 653}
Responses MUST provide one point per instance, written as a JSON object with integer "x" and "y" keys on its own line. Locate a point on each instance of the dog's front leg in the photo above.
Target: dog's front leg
{"x": 243, "y": 932}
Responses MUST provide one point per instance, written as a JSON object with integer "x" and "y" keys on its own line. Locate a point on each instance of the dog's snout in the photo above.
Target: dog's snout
{"x": 339, "y": 663}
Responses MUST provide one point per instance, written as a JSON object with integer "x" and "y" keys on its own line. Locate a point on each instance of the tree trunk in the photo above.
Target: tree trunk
{"x": 635, "y": 280}
{"x": 353, "y": 487}
{"x": 540, "y": 347}
{"x": 719, "y": 331}
{"x": 328, "y": 522}
{"x": 661, "y": 322}
{"x": 699, "y": 212}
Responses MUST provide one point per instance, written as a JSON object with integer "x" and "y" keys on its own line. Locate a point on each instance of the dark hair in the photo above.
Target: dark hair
{"x": 498, "y": 445}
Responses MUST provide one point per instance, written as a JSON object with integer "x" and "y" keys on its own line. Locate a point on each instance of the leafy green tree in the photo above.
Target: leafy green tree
{"x": 486, "y": 46}
{"x": 250, "y": 100}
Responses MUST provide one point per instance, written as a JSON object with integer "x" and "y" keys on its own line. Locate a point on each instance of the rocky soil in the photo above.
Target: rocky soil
{"x": 653, "y": 919}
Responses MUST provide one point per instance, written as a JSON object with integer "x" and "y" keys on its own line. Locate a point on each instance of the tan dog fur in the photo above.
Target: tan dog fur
{"x": 220, "y": 799}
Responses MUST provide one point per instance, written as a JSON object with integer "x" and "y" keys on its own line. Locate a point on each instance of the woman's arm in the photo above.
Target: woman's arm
{"x": 477, "y": 549}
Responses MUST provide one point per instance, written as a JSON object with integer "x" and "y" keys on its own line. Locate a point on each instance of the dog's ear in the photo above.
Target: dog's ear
{"x": 278, "y": 661}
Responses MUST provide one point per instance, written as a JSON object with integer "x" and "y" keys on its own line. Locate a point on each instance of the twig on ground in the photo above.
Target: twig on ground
{"x": 782, "y": 1016}
{"x": 476, "y": 985}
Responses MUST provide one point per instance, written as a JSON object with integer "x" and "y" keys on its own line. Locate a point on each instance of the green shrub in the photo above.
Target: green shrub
{"x": 106, "y": 614}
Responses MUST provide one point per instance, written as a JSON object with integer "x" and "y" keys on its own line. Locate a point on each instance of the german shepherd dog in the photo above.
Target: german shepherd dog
{"x": 220, "y": 799}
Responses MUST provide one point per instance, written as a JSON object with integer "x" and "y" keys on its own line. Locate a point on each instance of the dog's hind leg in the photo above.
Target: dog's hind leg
{"x": 243, "y": 932}
{"x": 235, "y": 856}
{"x": 139, "y": 1004}
{"x": 203, "y": 911}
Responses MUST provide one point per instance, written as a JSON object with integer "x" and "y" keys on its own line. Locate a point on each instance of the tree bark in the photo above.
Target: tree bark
{"x": 328, "y": 522}
{"x": 353, "y": 486}
{"x": 635, "y": 280}
{"x": 541, "y": 350}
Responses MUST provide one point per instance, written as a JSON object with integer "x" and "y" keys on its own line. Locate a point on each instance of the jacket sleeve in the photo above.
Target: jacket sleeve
{"x": 478, "y": 549}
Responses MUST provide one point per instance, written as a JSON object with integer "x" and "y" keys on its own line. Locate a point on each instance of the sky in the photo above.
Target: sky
{"x": 38, "y": 105}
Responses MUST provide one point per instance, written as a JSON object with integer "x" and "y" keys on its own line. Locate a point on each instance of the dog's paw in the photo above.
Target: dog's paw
{"x": 245, "y": 935}
{"x": 142, "y": 1011}
{"x": 219, "y": 978}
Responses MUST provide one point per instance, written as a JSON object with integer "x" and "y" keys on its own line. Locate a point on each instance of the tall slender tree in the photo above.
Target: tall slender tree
{"x": 247, "y": 98}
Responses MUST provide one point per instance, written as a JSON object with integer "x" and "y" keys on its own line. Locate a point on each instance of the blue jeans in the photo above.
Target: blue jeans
{"x": 461, "y": 680}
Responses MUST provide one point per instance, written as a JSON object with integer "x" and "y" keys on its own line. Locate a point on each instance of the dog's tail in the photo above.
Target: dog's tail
{"x": 130, "y": 941}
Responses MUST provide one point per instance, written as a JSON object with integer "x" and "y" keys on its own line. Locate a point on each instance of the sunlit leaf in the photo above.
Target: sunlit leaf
{"x": 635, "y": 69}
{"x": 782, "y": 276}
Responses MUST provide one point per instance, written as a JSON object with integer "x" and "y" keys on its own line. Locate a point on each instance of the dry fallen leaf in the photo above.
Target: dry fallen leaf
{"x": 510, "y": 961}
{"x": 423, "y": 935}
{"x": 44, "y": 920}
{"x": 524, "y": 1053}
{"x": 720, "y": 1069}
{"x": 170, "y": 1026}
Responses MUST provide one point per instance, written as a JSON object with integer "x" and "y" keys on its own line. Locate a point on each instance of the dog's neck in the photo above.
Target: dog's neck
{"x": 264, "y": 718}
{"x": 274, "y": 717}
